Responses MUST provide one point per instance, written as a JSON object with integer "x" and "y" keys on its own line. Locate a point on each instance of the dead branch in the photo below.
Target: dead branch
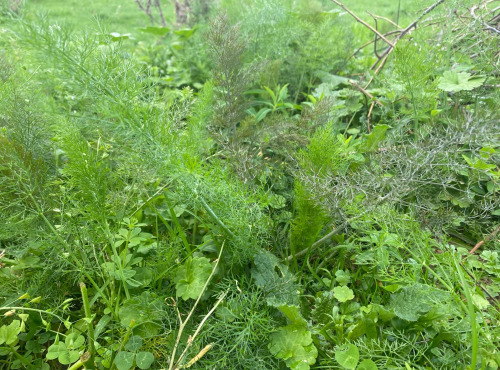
{"x": 489, "y": 237}
{"x": 363, "y": 22}
{"x": 486, "y": 25}
{"x": 147, "y": 6}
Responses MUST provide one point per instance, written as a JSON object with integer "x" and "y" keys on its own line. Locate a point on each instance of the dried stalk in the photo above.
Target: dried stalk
{"x": 182, "y": 323}
{"x": 363, "y": 22}
{"x": 489, "y": 237}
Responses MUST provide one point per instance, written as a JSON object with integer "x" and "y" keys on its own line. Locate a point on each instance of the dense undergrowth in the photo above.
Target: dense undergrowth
{"x": 244, "y": 192}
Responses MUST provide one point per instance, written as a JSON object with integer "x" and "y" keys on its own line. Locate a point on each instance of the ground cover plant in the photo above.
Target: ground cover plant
{"x": 259, "y": 185}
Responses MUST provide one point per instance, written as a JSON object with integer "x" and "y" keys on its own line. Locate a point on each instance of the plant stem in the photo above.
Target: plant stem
{"x": 66, "y": 246}
{"x": 123, "y": 343}
{"x": 182, "y": 324}
{"x": 472, "y": 315}
{"x": 88, "y": 363}
{"x": 214, "y": 216}
{"x": 33, "y": 310}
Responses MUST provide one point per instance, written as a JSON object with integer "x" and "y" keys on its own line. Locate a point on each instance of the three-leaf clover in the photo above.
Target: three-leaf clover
{"x": 124, "y": 360}
{"x": 66, "y": 352}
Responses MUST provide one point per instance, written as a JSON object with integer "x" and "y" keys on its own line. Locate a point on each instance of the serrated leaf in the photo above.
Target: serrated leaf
{"x": 275, "y": 279}
{"x": 343, "y": 293}
{"x": 342, "y": 277}
{"x": 144, "y": 360}
{"x": 294, "y": 344}
{"x": 146, "y": 310}
{"x": 413, "y": 301}
{"x": 324, "y": 306}
{"x": 347, "y": 356}
{"x": 124, "y": 360}
{"x": 458, "y": 81}
{"x": 191, "y": 277}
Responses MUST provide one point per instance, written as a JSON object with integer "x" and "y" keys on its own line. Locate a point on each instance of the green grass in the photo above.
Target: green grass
{"x": 117, "y": 16}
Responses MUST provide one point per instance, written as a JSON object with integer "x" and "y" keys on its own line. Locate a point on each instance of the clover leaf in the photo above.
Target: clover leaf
{"x": 124, "y": 360}
{"x": 347, "y": 356}
{"x": 144, "y": 360}
{"x": 63, "y": 354}
{"x": 367, "y": 365}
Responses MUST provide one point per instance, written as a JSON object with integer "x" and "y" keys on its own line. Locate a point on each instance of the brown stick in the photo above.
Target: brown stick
{"x": 478, "y": 245}
{"x": 374, "y": 16}
{"x": 353, "y": 83}
{"x": 477, "y": 283}
{"x": 486, "y": 25}
{"x": 383, "y": 58}
{"x": 368, "y": 117}
{"x": 363, "y": 22}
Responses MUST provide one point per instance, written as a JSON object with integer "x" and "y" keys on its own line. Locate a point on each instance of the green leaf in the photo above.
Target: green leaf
{"x": 367, "y": 365}
{"x": 134, "y": 343}
{"x": 275, "y": 279}
{"x": 101, "y": 325}
{"x": 342, "y": 277}
{"x": 191, "y": 277}
{"x": 159, "y": 31}
{"x": 347, "y": 356}
{"x": 413, "y": 301}
{"x": 292, "y": 313}
{"x": 74, "y": 340}
{"x": 261, "y": 114}
{"x": 124, "y": 360}
{"x": 144, "y": 360}
{"x": 459, "y": 81}
{"x": 146, "y": 310}
{"x": 143, "y": 275}
{"x": 9, "y": 333}
{"x": 325, "y": 308}
{"x": 480, "y": 302}
{"x": 343, "y": 293}
{"x": 64, "y": 355}
{"x": 116, "y": 36}
{"x": 294, "y": 344}
{"x": 372, "y": 141}
{"x": 185, "y": 33}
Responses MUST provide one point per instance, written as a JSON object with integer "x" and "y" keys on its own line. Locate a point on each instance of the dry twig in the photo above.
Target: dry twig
{"x": 489, "y": 237}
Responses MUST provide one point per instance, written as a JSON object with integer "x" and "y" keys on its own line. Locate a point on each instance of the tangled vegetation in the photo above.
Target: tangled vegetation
{"x": 266, "y": 184}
